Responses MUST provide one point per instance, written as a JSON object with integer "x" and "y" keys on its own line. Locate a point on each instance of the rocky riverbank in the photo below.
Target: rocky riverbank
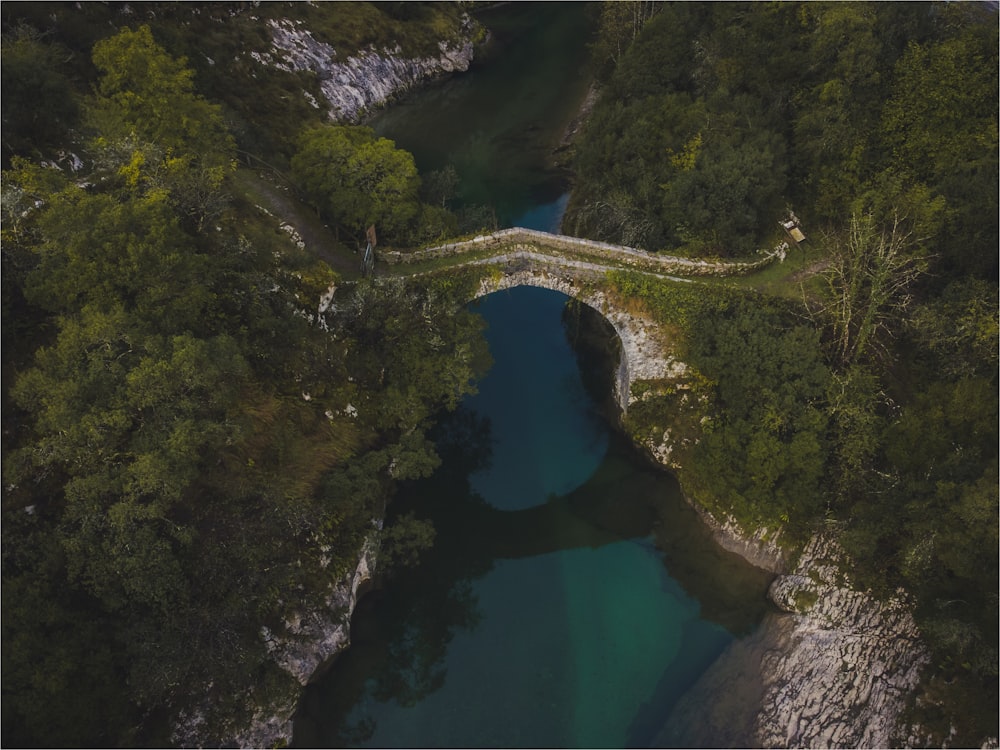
{"x": 369, "y": 79}
{"x": 304, "y": 646}
{"x": 833, "y": 668}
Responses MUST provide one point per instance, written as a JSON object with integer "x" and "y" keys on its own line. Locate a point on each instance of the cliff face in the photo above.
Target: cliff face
{"x": 357, "y": 84}
{"x": 305, "y": 643}
{"x": 834, "y": 669}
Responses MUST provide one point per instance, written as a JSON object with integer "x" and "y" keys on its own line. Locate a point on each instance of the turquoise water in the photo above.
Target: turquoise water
{"x": 500, "y": 124}
{"x": 549, "y": 437}
{"x": 571, "y": 595}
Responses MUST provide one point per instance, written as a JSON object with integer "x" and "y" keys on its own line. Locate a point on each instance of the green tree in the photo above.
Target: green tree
{"x": 39, "y": 103}
{"x": 357, "y": 179}
{"x": 730, "y": 190}
{"x": 941, "y": 127}
{"x": 856, "y": 405}
{"x": 154, "y": 130}
{"x": 764, "y": 456}
{"x": 837, "y": 107}
{"x": 148, "y": 96}
{"x": 104, "y": 253}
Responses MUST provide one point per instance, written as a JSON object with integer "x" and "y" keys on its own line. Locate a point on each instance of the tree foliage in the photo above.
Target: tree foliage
{"x": 766, "y": 450}
{"x": 192, "y": 450}
{"x": 155, "y": 132}
{"x": 874, "y": 405}
{"x": 38, "y": 101}
{"x": 357, "y": 180}
{"x": 833, "y": 108}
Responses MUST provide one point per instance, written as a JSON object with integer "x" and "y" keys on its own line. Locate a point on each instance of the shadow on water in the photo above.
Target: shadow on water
{"x": 401, "y": 633}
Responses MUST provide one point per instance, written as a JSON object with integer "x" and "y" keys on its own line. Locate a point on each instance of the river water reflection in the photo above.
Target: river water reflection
{"x": 571, "y": 595}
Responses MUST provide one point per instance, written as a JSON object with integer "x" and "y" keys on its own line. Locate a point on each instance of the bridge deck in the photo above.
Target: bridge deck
{"x": 569, "y": 250}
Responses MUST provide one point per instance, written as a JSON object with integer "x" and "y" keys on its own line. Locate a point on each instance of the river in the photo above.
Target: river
{"x": 500, "y": 124}
{"x": 571, "y": 595}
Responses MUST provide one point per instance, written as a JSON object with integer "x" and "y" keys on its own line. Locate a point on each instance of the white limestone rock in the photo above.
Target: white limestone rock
{"x": 307, "y": 642}
{"x": 834, "y": 669}
{"x": 362, "y": 82}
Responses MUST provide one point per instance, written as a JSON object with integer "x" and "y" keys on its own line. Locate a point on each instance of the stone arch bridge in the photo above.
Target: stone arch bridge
{"x": 564, "y": 264}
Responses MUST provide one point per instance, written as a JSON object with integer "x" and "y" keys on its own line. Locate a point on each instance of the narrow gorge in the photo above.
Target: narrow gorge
{"x": 613, "y": 374}
{"x": 830, "y": 667}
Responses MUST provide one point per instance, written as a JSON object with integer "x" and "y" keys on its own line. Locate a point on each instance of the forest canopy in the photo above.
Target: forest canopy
{"x": 193, "y": 446}
{"x": 869, "y": 405}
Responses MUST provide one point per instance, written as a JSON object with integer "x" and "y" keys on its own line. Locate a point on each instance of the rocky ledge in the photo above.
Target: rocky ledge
{"x": 833, "y": 669}
{"x": 369, "y": 79}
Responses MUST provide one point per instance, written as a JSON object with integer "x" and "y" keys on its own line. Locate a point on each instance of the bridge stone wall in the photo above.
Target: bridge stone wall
{"x": 644, "y": 355}
{"x": 520, "y": 239}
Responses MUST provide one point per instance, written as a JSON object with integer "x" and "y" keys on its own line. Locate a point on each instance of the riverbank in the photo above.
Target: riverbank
{"x": 834, "y": 668}
{"x": 563, "y": 153}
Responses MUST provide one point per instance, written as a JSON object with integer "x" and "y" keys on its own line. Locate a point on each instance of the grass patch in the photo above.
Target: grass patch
{"x": 799, "y": 274}
{"x": 805, "y": 599}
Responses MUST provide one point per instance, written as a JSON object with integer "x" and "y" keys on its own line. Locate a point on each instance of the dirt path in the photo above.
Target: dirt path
{"x": 320, "y": 240}
{"x": 811, "y": 270}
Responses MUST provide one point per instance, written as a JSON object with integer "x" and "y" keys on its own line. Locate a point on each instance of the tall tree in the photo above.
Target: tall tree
{"x": 941, "y": 127}
{"x": 155, "y": 131}
{"x": 357, "y": 179}
{"x": 868, "y": 282}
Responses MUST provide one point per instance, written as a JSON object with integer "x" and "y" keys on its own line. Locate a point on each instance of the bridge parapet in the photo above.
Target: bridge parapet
{"x": 531, "y": 240}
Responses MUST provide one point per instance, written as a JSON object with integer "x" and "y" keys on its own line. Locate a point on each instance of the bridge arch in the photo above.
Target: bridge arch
{"x": 643, "y": 353}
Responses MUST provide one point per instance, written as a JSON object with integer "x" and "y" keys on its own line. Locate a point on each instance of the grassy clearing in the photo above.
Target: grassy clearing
{"x": 801, "y": 267}
{"x": 797, "y": 277}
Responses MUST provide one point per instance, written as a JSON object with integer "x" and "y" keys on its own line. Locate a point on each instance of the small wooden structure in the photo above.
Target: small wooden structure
{"x": 792, "y": 227}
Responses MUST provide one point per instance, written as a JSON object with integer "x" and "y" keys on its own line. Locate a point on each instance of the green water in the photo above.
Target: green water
{"x": 500, "y": 124}
{"x": 571, "y": 595}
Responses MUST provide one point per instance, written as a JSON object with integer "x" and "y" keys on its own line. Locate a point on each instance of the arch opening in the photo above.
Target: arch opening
{"x": 596, "y": 301}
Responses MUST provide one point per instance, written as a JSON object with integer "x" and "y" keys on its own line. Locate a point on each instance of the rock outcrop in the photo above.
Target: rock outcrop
{"x": 306, "y": 643}
{"x": 759, "y": 547}
{"x": 357, "y": 84}
{"x": 833, "y": 669}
